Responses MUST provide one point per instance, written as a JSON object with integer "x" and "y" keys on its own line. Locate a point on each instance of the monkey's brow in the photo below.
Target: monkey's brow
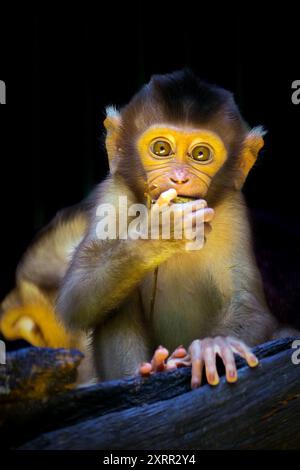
{"x": 182, "y": 129}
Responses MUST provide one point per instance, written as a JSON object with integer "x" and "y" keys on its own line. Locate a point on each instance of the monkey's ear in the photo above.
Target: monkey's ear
{"x": 251, "y": 147}
{"x": 112, "y": 125}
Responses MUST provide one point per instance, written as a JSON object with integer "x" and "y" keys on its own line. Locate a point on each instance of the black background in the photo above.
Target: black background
{"x": 62, "y": 68}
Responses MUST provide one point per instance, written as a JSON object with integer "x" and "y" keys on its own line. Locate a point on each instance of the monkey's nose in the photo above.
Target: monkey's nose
{"x": 179, "y": 180}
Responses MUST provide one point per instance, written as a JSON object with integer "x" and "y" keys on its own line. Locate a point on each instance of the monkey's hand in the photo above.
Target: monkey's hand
{"x": 190, "y": 215}
{"x": 162, "y": 361}
{"x": 202, "y": 354}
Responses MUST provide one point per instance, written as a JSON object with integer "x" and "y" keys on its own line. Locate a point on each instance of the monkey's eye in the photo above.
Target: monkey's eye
{"x": 201, "y": 153}
{"x": 161, "y": 148}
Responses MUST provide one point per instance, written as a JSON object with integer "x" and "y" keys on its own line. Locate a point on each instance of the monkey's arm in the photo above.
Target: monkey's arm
{"x": 244, "y": 313}
{"x": 104, "y": 272}
{"x": 247, "y": 317}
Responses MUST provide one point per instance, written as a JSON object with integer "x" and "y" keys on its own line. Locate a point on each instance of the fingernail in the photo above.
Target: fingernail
{"x": 161, "y": 350}
{"x": 253, "y": 361}
{"x": 213, "y": 379}
{"x": 145, "y": 368}
{"x": 180, "y": 352}
{"x": 232, "y": 376}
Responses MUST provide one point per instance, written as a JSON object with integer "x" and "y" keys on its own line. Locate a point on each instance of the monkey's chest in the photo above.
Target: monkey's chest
{"x": 185, "y": 304}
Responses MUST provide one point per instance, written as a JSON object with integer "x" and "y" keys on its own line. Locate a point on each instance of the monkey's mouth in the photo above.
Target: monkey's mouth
{"x": 183, "y": 199}
{"x": 180, "y": 199}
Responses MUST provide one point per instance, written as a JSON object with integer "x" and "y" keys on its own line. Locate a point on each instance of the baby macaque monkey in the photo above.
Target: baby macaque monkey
{"x": 178, "y": 140}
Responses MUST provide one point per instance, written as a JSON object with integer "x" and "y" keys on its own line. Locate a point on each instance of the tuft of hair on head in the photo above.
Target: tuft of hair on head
{"x": 111, "y": 111}
{"x": 258, "y": 131}
{"x": 181, "y": 97}
{"x": 185, "y": 95}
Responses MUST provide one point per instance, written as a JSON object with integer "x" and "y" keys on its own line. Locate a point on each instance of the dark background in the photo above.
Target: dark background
{"x": 61, "y": 70}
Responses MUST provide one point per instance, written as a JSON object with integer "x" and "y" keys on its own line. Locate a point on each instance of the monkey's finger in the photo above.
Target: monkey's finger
{"x": 200, "y": 216}
{"x": 240, "y": 348}
{"x": 197, "y": 219}
{"x": 195, "y": 351}
{"x": 209, "y": 357}
{"x": 145, "y": 369}
{"x": 225, "y": 352}
{"x": 179, "y": 362}
{"x": 179, "y": 352}
{"x": 158, "y": 360}
{"x": 179, "y": 358}
{"x": 197, "y": 372}
{"x": 208, "y": 214}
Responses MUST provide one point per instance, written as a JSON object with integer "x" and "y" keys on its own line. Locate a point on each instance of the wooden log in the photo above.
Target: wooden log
{"x": 262, "y": 410}
{"x": 37, "y": 373}
{"x": 31, "y": 376}
{"x": 26, "y": 418}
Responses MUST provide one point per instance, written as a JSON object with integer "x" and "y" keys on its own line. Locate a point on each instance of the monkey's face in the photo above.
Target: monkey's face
{"x": 181, "y": 158}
